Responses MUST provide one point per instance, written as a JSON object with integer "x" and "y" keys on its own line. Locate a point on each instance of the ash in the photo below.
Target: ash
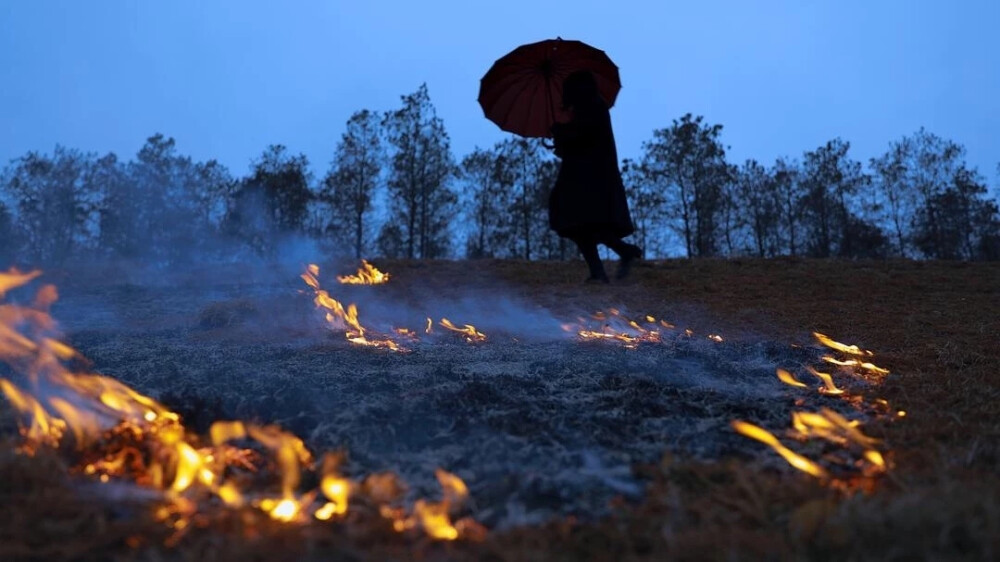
{"x": 538, "y": 427}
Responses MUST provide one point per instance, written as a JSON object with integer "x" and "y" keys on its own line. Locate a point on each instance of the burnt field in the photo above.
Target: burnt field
{"x": 571, "y": 448}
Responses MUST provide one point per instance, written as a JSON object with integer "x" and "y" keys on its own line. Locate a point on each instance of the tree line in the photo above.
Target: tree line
{"x": 394, "y": 189}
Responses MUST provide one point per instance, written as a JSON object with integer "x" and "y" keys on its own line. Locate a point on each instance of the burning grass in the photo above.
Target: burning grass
{"x": 927, "y": 323}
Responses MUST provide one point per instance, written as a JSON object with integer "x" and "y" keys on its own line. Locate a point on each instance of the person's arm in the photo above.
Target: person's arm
{"x": 575, "y": 134}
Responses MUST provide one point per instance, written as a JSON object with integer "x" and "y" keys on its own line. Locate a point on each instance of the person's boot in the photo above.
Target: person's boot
{"x": 597, "y": 274}
{"x": 601, "y": 279}
{"x": 628, "y": 258}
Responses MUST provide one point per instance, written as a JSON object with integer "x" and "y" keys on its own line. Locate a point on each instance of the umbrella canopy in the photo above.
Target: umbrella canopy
{"x": 522, "y": 91}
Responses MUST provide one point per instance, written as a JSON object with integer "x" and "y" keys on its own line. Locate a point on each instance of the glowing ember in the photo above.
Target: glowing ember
{"x": 335, "y": 488}
{"x": 616, "y": 327}
{"x": 367, "y": 275}
{"x": 435, "y": 518}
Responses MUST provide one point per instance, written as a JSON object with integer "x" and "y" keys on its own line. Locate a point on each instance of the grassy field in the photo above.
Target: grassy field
{"x": 934, "y": 325}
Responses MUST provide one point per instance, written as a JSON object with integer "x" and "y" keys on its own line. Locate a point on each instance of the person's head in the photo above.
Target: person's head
{"x": 580, "y": 89}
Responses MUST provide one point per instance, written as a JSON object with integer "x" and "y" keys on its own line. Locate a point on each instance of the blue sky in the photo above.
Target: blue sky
{"x": 228, "y": 78}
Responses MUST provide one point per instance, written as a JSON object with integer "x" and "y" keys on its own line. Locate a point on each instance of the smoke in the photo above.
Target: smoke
{"x": 499, "y": 315}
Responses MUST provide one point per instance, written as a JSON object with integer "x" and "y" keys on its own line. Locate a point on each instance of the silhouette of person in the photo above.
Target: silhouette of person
{"x": 588, "y": 203}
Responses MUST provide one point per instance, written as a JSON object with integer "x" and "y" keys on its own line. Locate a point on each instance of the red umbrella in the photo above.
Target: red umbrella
{"x": 522, "y": 91}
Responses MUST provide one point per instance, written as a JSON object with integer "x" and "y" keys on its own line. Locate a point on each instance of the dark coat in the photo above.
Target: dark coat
{"x": 588, "y": 196}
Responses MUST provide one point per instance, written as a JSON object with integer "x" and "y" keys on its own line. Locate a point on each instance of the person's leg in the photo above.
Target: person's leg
{"x": 617, "y": 245}
{"x": 627, "y": 253}
{"x": 588, "y": 248}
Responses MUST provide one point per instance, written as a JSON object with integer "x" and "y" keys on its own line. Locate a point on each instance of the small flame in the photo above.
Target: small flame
{"x": 367, "y": 275}
{"x": 855, "y": 363}
{"x": 789, "y": 379}
{"x": 285, "y": 510}
{"x": 13, "y": 278}
{"x": 617, "y": 327}
{"x": 435, "y": 518}
{"x": 849, "y": 349}
{"x": 336, "y": 489}
{"x": 468, "y": 331}
{"x": 342, "y": 318}
{"x": 833, "y": 427}
{"x": 828, "y": 386}
{"x": 326, "y": 512}
{"x": 798, "y": 461}
{"x": 455, "y": 490}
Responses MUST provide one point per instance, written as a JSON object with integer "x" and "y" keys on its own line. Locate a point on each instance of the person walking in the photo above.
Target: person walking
{"x": 588, "y": 204}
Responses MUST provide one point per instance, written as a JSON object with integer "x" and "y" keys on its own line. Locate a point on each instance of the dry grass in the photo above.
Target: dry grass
{"x": 935, "y": 325}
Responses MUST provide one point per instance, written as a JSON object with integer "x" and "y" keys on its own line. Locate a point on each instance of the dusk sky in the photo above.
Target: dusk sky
{"x": 225, "y": 79}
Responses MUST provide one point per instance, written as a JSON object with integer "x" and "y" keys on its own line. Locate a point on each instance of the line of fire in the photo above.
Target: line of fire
{"x": 109, "y": 433}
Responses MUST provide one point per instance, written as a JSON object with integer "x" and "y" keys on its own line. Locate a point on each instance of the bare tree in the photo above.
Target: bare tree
{"x": 349, "y": 188}
{"x": 757, "y": 191}
{"x": 523, "y": 160}
{"x": 646, "y": 203}
{"x": 891, "y": 178}
{"x": 830, "y": 179}
{"x": 487, "y": 189}
{"x": 689, "y": 160}
{"x": 788, "y": 191}
{"x": 52, "y": 205}
{"x": 421, "y": 166}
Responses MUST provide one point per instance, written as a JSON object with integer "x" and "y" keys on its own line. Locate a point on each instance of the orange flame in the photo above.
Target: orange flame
{"x": 617, "y": 327}
{"x": 789, "y": 379}
{"x": 367, "y": 275}
{"x": 468, "y": 331}
{"x": 831, "y": 426}
{"x": 13, "y": 278}
{"x": 157, "y": 450}
{"x": 855, "y": 363}
{"x": 849, "y": 349}
{"x": 828, "y": 386}
{"x": 336, "y": 489}
{"x": 798, "y": 461}
{"x": 344, "y": 318}
{"x": 435, "y": 518}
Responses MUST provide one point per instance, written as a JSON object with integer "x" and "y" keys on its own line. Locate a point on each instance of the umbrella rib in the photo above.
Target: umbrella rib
{"x": 525, "y": 86}
{"x": 516, "y": 74}
{"x": 531, "y": 97}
